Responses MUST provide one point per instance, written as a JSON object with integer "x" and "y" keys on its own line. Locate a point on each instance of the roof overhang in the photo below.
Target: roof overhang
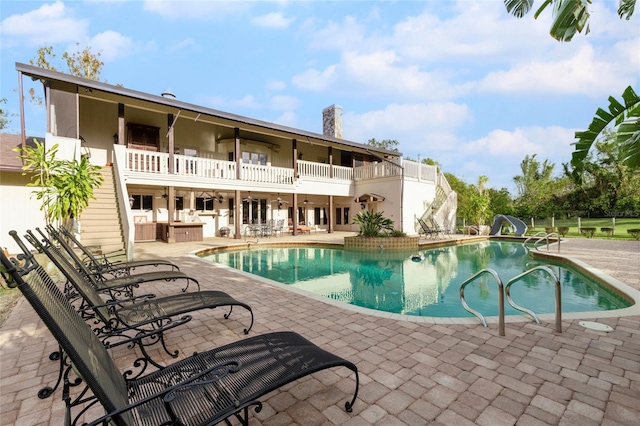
{"x": 113, "y": 93}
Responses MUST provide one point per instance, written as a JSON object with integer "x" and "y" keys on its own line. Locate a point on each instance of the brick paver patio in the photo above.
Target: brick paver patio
{"x": 412, "y": 373}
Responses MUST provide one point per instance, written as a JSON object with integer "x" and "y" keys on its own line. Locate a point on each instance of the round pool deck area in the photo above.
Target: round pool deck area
{"x": 411, "y": 373}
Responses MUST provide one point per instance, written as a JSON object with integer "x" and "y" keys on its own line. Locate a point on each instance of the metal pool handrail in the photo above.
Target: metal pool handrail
{"x": 546, "y": 237}
{"x": 533, "y": 236}
{"x": 549, "y": 271}
{"x": 500, "y": 298}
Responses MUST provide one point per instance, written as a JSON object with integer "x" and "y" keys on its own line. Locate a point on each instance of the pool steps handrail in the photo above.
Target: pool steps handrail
{"x": 507, "y": 290}
{"x": 556, "y": 280}
{"x": 495, "y": 275}
{"x": 545, "y": 237}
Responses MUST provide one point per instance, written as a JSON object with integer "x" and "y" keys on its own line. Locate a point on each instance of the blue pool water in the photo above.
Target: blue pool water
{"x": 393, "y": 282}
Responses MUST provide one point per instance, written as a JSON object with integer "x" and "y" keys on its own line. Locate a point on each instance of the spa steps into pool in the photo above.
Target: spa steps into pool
{"x": 506, "y": 290}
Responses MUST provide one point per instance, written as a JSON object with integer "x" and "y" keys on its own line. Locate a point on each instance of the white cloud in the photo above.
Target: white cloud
{"x": 284, "y": 103}
{"x": 112, "y": 45}
{"x": 49, "y": 24}
{"x": 219, "y": 102}
{"x": 582, "y": 73}
{"x": 288, "y": 118}
{"x": 274, "y": 20}
{"x": 548, "y": 142}
{"x": 276, "y": 85}
{"x": 315, "y": 80}
{"x": 507, "y": 149}
{"x": 436, "y": 56}
{"x": 186, "y": 43}
{"x": 419, "y": 128}
{"x": 196, "y": 9}
{"x": 343, "y": 35}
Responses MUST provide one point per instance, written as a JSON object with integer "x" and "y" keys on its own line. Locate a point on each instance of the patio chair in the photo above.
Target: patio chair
{"x": 104, "y": 262}
{"x": 426, "y": 229}
{"x": 437, "y": 228}
{"x": 109, "y": 280}
{"x": 205, "y": 388}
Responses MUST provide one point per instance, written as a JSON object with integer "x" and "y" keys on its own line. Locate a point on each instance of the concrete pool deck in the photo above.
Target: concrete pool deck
{"x": 411, "y": 373}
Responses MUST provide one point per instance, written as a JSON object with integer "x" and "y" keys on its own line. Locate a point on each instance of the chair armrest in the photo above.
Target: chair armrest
{"x": 118, "y": 302}
{"x": 225, "y": 368}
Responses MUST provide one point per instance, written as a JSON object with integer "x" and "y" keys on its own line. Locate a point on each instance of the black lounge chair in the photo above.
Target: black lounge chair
{"x": 104, "y": 262}
{"x": 203, "y": 389}
{"x": 139, "y": 320}
{"x": 109, "y": 279}
{"x": 117, "y": 315}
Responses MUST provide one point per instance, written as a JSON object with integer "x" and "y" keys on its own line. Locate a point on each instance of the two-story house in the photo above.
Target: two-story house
{"x": 177, "y": 171}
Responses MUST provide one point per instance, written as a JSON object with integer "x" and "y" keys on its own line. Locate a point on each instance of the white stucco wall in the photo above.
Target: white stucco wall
{"x": 18, "y": 210}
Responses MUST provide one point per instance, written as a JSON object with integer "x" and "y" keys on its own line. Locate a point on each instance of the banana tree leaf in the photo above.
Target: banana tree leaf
{"x": 626, "y": 8}
{"x": 569, "y": 17}
{"x": 518, "y": 8}
{"x": 626, "y": 116}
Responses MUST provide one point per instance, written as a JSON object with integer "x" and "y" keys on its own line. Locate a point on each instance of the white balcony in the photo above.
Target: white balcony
{"x": 156, "y": 164}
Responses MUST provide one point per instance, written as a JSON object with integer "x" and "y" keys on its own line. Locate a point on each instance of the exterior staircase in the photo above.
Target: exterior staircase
{"x": 100, "y": 224}
{"x": 438, "y": 201}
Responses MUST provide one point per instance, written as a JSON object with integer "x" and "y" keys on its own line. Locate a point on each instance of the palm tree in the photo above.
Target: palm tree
{"x": 569, "y": 16}
{"x": 624, "y": 115}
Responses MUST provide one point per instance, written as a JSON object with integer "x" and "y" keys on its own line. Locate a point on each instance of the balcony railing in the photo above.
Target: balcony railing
{"x": 322, "y": 170}
{"x": 184, "y": 165}
{"x": 377, "y": 170}
{"x": 266, "y": 174}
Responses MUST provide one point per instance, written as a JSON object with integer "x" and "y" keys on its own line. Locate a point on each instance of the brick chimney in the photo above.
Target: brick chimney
{"x": 332, "y": 121}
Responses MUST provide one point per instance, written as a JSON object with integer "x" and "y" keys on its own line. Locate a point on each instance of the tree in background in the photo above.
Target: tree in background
{"x": 81, "y": 63}
{"x": 479, "y": 201}
{"x": 500, "y": 202}
{"x": 5, "y": 117}
{"x": 569, "y": 16}
{"x": 388, "y": 144}
{"x": 607, "y": 182}
{"x": 535, "y": 187}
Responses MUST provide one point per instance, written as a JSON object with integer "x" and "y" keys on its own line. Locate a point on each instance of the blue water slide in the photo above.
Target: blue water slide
{"x": 520, "y": 228}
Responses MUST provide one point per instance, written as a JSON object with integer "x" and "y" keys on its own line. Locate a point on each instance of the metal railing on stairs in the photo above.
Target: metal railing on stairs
{"x": 506, "y": 290}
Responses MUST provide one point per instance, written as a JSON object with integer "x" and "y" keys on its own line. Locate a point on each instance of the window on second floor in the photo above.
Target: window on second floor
{"x": 254, "y": 158}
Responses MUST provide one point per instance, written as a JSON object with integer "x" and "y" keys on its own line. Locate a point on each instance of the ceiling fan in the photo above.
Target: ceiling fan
{"x": 306, "y": 201}
{"x": 214, "y": 196}
{"x": 279, "y": 200}
{"x": 249, "y": 198}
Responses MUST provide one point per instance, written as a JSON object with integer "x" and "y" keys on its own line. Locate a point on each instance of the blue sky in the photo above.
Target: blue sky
{"x": 461, "y": 82}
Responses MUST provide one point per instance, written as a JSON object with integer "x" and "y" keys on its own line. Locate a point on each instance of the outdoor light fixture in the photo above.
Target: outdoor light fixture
{"x": 115, "y": 138}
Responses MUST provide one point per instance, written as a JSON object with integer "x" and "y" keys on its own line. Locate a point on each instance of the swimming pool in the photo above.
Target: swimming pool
{"x": 392, "y": 282}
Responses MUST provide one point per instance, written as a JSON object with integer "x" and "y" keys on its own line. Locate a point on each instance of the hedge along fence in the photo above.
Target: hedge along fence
{"x": 607, "y": 227}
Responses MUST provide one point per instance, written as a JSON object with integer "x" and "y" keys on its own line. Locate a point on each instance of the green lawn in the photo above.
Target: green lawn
{"x": 618, "y": 232}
